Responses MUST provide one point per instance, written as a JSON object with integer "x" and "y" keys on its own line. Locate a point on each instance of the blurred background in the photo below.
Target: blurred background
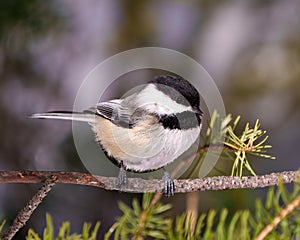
{"x": 250, "y": 48}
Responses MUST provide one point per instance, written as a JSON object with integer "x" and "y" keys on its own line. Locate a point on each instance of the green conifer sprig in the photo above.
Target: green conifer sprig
{"x": 244, "y": 224}
{"x": 142, "y": 220}
{"x": 64, "y": 232}
{"x": 149, "y": 219}
{"x": 223, "y": 133}
{"x": 251, "y": 141}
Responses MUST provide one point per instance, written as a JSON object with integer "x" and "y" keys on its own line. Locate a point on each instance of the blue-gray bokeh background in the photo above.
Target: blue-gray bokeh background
{"x": 250, "y": 48}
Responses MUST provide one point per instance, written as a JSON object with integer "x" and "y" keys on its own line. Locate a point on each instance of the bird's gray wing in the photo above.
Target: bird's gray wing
{"x": 115, "y": 112}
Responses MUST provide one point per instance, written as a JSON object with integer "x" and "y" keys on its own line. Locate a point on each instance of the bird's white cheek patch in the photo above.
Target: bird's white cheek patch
{"x": 156, "y": 101}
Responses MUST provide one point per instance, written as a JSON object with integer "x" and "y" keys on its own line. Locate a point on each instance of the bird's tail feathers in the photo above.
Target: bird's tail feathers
{"x": 62, "y": 115}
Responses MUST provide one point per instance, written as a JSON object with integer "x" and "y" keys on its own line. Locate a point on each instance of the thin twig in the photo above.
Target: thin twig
{"x": 289, "y": 208}
{"x": 139, "y": 185}
{"x": 27, "y": 211}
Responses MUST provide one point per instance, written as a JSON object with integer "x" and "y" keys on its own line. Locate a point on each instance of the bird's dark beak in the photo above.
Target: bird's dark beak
{"x": 198, "y": 111}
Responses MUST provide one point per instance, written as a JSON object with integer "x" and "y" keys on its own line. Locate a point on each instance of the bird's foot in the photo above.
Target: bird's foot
{"x": 122, "y": 178}
{"x": 169, "y": 187}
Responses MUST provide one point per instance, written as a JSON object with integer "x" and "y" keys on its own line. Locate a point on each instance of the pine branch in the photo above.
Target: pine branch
{"x": 277, "y": 217}
{"x": 290, "y": 208}
{"x": 144, "y": 215}
{"x": 139, "y": 185}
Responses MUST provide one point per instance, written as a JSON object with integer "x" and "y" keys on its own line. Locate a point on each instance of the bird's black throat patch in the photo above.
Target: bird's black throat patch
{"x": 183, "y": 120}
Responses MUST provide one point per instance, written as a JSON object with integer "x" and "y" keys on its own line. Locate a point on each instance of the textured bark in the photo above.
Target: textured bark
{"x": 154, "y": 185}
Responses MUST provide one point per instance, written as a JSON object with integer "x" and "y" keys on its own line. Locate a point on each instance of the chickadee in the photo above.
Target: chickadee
{"x": 146, "y": 130}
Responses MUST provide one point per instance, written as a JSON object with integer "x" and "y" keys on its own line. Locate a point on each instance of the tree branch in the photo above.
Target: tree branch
{"x": 154, "y": 185}
{"x": 284, "y": 212}
{"x": 27, "y": 211}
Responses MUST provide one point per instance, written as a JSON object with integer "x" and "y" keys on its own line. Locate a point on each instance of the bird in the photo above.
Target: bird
{"x": 146, "y": 130}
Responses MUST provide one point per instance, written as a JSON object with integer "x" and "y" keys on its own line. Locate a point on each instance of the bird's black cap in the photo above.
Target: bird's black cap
{"x": 185, "y": 94}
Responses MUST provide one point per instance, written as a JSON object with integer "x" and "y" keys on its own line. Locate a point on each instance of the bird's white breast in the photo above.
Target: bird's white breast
{"x": 176, "y": 143}
{"x": 145, "y": 147}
